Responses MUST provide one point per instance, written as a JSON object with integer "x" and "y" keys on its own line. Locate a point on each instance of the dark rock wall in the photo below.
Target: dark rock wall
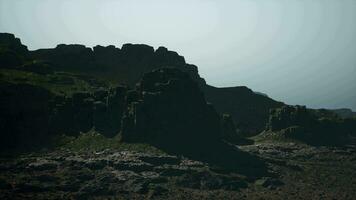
{"x": 29, "y": 115}
{"x": 128, "y": 64}
{"x": 101, "y": 110}
{"x": 24, "y": 114}
{"x": 12, "y": 52}
{"x": 248, "y": 110}
{"x": 298, "y": 122}
{"x": 228, "y": 130}
{"x": 289, "y": 116}
{"x": 125, "y": 65}
{"x": 169, "y": 110}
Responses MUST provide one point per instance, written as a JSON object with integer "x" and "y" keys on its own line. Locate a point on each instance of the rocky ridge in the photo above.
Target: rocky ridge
{"x": 126, "y": 65}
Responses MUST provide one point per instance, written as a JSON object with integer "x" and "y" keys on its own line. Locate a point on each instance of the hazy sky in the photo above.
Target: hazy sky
{"x": 296, "y": 51}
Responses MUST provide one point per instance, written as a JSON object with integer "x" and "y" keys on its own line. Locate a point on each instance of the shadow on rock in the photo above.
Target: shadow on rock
{"x": 222, "y": 158}
{"x": 169, "y": 111}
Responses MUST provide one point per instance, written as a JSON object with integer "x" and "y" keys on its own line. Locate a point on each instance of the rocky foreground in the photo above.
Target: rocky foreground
{"x": 295, "y": 171}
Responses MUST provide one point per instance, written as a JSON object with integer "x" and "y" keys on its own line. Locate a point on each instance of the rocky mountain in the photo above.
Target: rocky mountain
{"x": 248, "y": 109}
{"x": 139, "y": 123}
{"x": 79, "y": 90}
{"x": 167, "y": 105}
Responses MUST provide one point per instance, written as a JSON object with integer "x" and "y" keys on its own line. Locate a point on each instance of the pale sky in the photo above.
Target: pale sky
{"x": 296, "y": 51}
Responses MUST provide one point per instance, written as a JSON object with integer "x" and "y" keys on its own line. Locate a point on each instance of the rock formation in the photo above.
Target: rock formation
{"x": 288, "y": 116}
{"x": 12, "y": 52}
{"x": 30, "y": 114}
{"x": 169, "y": 110}
{"x": 228, "y": 130}
{"x": 310, "y": 126}
{"x": 128, "y": 64}
{"x": 24, "y": 114}
{"x": 248, "y": 110}
{"x": 345, "y": 113}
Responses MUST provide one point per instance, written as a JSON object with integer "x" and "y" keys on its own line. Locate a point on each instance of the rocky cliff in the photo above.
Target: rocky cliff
{"x": 168, "y": 109}
{"x": 30, "y": 115}
{"x": 127, "y": 64}
{"x": 309, "y": 126}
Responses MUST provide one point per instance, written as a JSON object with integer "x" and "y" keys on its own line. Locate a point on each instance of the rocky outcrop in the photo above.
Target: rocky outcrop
{"x": 169, "y": 110}
{"x": 249, "y": 111}
{"x": 127, "y": 65}
{"x": 72, "y": 57}
{"x": 9, "y": 41}
{"x": 300, "y": 123}
{"x": 288, "y": 116}
{"x": 228, "y": 130}
{"x": 12, "y": 52}
{"x": 72, "y": 115}
{"x": 108, "y": 110}
{"x": 24, "y": 114}
{"x": 30, "y": 115}
{"x": 101, "y": 110}
{"x": 344, "y": 113}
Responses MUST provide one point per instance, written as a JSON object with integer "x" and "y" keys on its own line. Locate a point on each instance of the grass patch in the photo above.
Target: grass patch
{"x": 93, "y": 141}
{"x": 58, "y": 83}
{"x": 273, "y": 137}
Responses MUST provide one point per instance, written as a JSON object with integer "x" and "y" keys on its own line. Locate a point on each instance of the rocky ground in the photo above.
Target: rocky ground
{"x": 296, "y": 171}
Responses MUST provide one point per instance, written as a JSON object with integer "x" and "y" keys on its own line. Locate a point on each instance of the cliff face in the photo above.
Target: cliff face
{"x": 169, "y": 110}
{"x": 249, "y": 110}
{"x": 30, "y": 114}
{"x": 12, "y": 52}
{"x": 310, "y": 126}
{"x": 345, "y": 113}
{"x": 127, "y": 65}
